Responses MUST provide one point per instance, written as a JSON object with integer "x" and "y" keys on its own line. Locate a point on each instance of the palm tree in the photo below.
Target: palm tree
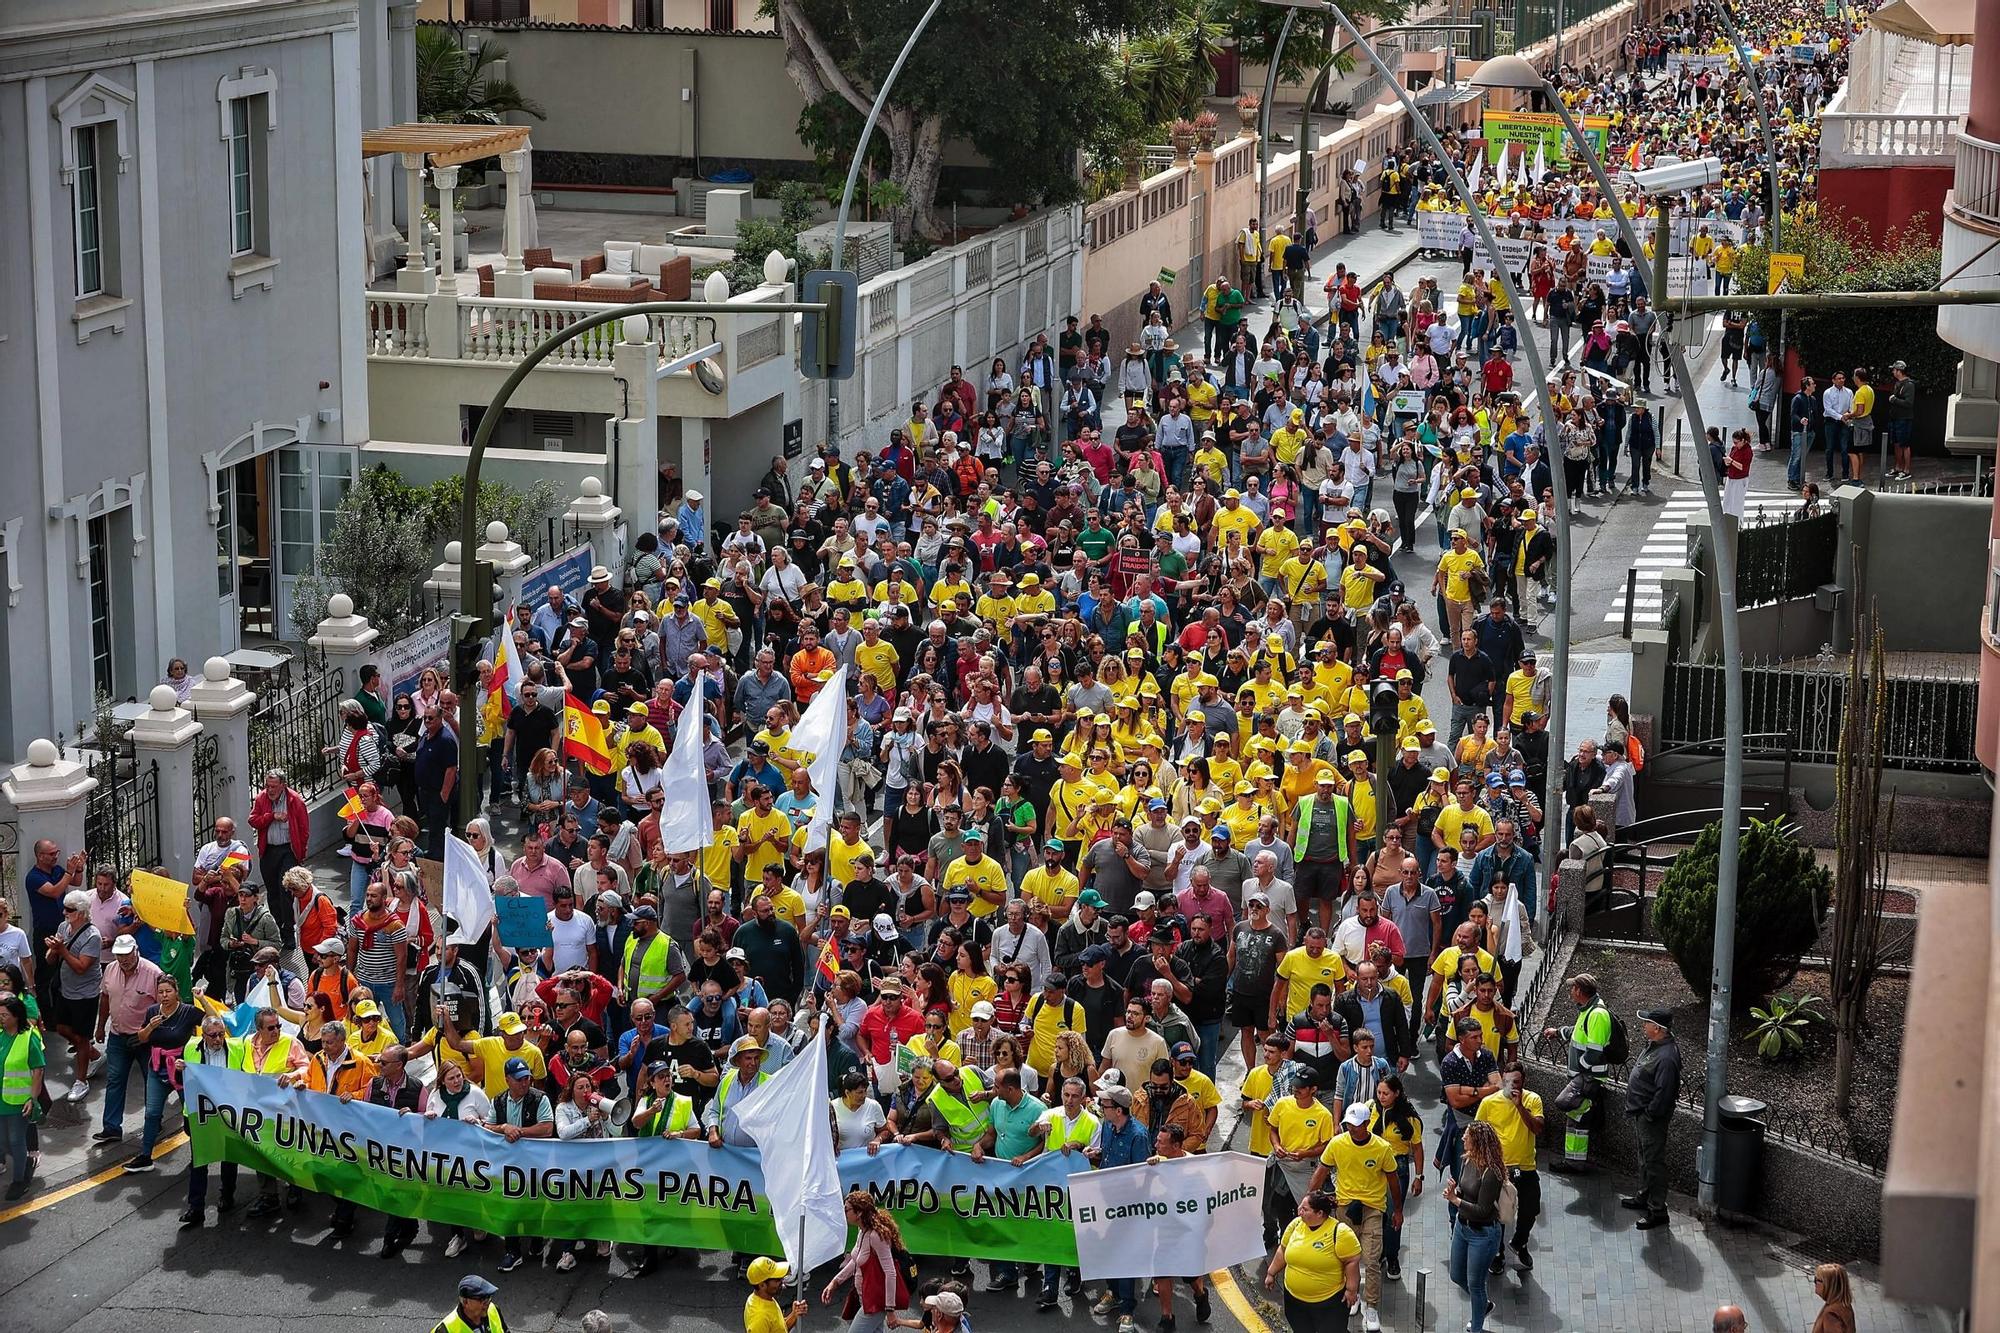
{"x": 454, "y": 87}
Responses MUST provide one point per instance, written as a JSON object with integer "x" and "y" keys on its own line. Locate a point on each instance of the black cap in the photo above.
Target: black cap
{"x": 1658, "y": 1015}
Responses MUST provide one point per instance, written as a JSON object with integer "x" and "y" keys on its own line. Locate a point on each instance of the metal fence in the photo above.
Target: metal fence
{"x": 212, "y": 794}
{"x": 1928, "y": 727}
{"x": 296, "y": 730}
{"x": 1780, "y": 557}
{"x": 121, "y": 816}
{"x": 557, "y": 536}
{"x": 1803, "y": 1129}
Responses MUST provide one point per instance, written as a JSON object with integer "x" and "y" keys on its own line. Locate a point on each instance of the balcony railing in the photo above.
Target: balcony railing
{"x": 1975, "y": 186}
{"x": 484, "y": 328}
{"x": 1870, "y": 139}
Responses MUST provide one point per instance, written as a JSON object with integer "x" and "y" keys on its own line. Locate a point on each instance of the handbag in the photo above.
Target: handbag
{"x": 1510, "y": 1201}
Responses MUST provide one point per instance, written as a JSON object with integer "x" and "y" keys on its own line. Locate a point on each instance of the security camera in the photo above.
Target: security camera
{"x": 1672, "y": 175}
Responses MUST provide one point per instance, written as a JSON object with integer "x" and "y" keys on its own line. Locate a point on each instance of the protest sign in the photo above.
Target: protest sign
{"x": 403, "y": 661}
{"x": 1538, "y": 129}
{"x": 1194, "y": 1214}
{"x": 523, "y": 922}
{"x": 649, "y": 1191}
{"x": 569, "y": 571}
{"x": 161, "y": 902}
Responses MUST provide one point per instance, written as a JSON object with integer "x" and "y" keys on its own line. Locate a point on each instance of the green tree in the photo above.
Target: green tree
{"x": 1781, "y": 898}
{"x": 456, "y": 86}
{"x": 1053, "y": 98}
{"x": 1841, "y": 257}
{"x": 1315, "y": 36}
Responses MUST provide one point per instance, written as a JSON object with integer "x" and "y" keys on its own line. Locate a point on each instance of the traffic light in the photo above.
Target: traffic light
{"x": 1382, "y": 701}
{"x": 470, "y": 632}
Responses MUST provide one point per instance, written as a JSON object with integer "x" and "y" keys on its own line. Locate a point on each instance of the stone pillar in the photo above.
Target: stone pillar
{"x": 445, "y": 179}
{"x": 48, "y": 793}
{"x": 511, "y": 279}
{"x": 444, "y": 579}
{"x": 222, "y": 705}
{"x": 166, "y": 735}
{"x": 510, "y": 563}
{"x": 417, "y": 276}
{"x": 637, "y": 432}
{"x": 597, "y": 517}
{"x": 1982, "y": 118}
{"x": 348, "y": 640}
{"x": 1972, "y": 419}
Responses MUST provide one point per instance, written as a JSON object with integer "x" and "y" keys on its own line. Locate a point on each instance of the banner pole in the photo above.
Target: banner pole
{"x": 801, "y": 1272}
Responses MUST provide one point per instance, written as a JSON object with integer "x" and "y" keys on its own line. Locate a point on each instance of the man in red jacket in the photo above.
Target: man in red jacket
{"x": 283, "y": 827}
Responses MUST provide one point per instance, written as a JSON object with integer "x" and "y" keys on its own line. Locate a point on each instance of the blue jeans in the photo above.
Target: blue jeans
{"x": 392, "y": 1009}
{"x": 1795, "y": 466}
{"x": 120, "y": 1054}
{"x": 1052, "y": 1277}
{"x": 358, "y": 876}
{"x": 1209, "y": 1052}
{"x": 157, "y": 1089}
{"x": 1392, "y": 1235}
{"x": 1126, "y": 1289}
{"x": 14, "y": 1145}
{"x": 1472, "y": 1251}
{"x": 198, "y": 1185}
{"x": 1836, "y": 449}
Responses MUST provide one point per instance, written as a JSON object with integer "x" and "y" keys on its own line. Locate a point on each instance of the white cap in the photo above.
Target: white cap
{"x": 983, "y": 1009}
{"x": 123, "y": 945}
{"x": 694, "y": 496}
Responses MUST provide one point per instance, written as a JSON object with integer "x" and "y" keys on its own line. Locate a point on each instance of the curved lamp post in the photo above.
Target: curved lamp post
{"x": 1513, "y": 72}
{"x": 1559, "y": 692}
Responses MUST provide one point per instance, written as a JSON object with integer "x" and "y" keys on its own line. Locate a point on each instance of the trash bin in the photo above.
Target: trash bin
{"x": 1739, "y": 1152}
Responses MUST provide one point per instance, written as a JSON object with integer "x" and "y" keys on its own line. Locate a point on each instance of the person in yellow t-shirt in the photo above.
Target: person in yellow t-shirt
{"x": 1301, "y": 1125}
{"x": 718, "y": 859}
{"x": 761, "y": 835}
{"x": 978, "y": 874}
{"x": 1050, "y": 883}
{"x": 1302, "y": 969}
{"x": 1235, "y": 517}
{"x": 1515, "y": 1112}
{"x": 1454, "y": 569}
{"x": 1276, "y": 544}
{"x": 1303, "y": 577}
{"x": 846, "y": 587}
{"x": 1259, "y": 1090}
{"x": 875, "y": 656}
{"x": 1361, "y": 579}
{"x": 1412, "y": 714}
{"x": 1201, "y": 396}
{"x": 1460, "y": 814}
{"x": 1289, "y": 440}
{"x": 1211, "y": 461}
{"x": 1319, "y": 1257}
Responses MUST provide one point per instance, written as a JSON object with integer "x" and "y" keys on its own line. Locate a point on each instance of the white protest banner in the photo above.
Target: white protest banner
{"x": 403, "y": 661}
{"x": 1439, "y": 231}
{"x": 1193, "y": 1214}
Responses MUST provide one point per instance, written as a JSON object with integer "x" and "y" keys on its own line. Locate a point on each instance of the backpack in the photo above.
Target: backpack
{"x": 1636, "y": 753}
{"x": 1619, "y": 1049}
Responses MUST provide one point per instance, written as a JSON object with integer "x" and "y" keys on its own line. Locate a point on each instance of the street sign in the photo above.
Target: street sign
{"x": 826, "y": 342}
{"x": 1783, "y": 267}
{"x": 795, "y": 437}
{"x": 1166, "y": 277}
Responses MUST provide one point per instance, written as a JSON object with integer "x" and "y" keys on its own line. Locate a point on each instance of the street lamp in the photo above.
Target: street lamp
{"x": 1512, "y": 72}
{"x": 1559, "y": 683}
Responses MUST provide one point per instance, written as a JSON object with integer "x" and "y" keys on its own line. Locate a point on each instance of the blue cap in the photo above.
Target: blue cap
{"x": 1495, "y": 780}
{"x": 1516, "y": 778}
{"x": 518, "y": 1068}
{"x": 1156, "y": 804}
{"x": 1220, "y": 831}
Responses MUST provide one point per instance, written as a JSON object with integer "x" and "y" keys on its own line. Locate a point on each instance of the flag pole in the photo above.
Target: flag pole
{"x": 800, "y": 1272}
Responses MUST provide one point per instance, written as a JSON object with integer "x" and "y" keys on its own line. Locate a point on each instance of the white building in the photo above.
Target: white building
{"x": 183, "y": 380}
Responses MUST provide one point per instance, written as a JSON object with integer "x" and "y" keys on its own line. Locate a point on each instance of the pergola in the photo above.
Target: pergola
{"x": 444, "y": 149}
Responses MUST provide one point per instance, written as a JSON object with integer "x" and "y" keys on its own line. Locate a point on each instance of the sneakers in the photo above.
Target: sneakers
{"x": 1522, "y": 1257}
{"x": 1166, "y": 1324}
{"x": 79, "y": 1090}
{"x": 1652, "y": 1220}
{"x": 1370, "y": 1320}
{"x": 265, "y": 1205}
{"x": 1105, "y": 1304}
{"x": 1126, "y": 1324}
{"x": 455, "y": 1246}
{"x": 509, "y": 1262}
{"x": 191, "y": 1219}
{"x": 140, "y": 1165}
{"x": 1636, "y": 1202}
{"x": 1201, "y": 1306}
{"x": 1392, "y": 1272}
{"x": 1047, "y": 1301}
{"x": 1499, "y": 1264}
{"x": 107, "y": 1136}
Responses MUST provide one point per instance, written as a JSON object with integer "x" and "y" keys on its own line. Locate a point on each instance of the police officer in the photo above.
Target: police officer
{"x": 1650, "y": 1096}
{"x": 476, "y": 1312}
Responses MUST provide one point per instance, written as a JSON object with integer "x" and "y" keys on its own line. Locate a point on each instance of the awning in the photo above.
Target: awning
{"x": 445, "y": 145}
{"x": 1447, "y": 95}
{"x": 1938, "y": 22}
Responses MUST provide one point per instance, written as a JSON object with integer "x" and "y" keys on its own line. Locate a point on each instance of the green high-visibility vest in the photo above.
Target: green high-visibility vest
{"x": 17, "y": 1078}
{"x": 679, "y": 1116}
{"x": 1303, "y": 834}
{"x": 968, "y": 1123}
{"x": 653, "y": 974}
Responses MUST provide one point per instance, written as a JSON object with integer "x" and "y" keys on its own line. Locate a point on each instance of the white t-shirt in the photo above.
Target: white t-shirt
{"x": 14, "y": 945}
{"x": 857, "y": 1127}
{"x": 573, "y": 939}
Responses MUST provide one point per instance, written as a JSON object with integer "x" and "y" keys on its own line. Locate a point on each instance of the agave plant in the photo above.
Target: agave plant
{"x": 1780, "y": 1025}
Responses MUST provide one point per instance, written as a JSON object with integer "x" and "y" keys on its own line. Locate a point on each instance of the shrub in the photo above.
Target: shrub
{"x": 1781, "y": 898}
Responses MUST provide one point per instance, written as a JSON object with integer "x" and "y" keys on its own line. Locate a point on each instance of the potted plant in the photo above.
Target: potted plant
{"x": 1132, "y": 157}
{"x": 1181, "y": 135}
{"x": 1205, "y": 123}
{"x": 1247, "y": 107}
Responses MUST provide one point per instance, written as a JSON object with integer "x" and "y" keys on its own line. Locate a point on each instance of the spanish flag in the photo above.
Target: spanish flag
{"x": 352, "y": 805}
{"x": 828, "y": 965}
{"x": 583, "y": 736}
{"x": 503, "y": 683}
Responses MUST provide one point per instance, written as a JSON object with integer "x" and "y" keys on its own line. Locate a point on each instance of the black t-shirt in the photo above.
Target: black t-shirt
{"x": 1103, "y": 1008}
{"x": 866, "y": 898}
{"x": 1472, "y": 677}
{"x": 593, "y": 1035}
{"x": 534, "y": 731}
{"x": 693, "y": 1056}
{"x": 612, "y": 678}
{"x": 174, "y": 1031}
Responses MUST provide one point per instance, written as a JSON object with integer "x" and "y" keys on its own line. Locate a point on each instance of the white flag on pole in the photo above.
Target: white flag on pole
{"x": 1523, "y": 166}
{"x": 786, "y": 1118}
{"x": 822, "y": 733}
{"x": 686, "y": 824}
{"x": 1500, "y": 168}
{"x": 1541, "y": 161}
{"x": 468, "y": 898}
{"x": 1478, "y": 166}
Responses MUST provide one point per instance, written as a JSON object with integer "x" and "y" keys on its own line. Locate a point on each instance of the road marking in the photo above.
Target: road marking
{"x": 1665, "y": 547}
{"x": 1238, "y": 1303}
{"x": 85, "y": 1185}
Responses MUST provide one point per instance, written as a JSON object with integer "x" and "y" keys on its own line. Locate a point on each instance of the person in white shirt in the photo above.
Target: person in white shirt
{"x": 1022, "y": 944}
{"x": 573, "y": 932}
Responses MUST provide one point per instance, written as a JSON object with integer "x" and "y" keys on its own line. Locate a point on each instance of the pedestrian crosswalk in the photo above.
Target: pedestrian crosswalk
{"x": 1666, "y": 548}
